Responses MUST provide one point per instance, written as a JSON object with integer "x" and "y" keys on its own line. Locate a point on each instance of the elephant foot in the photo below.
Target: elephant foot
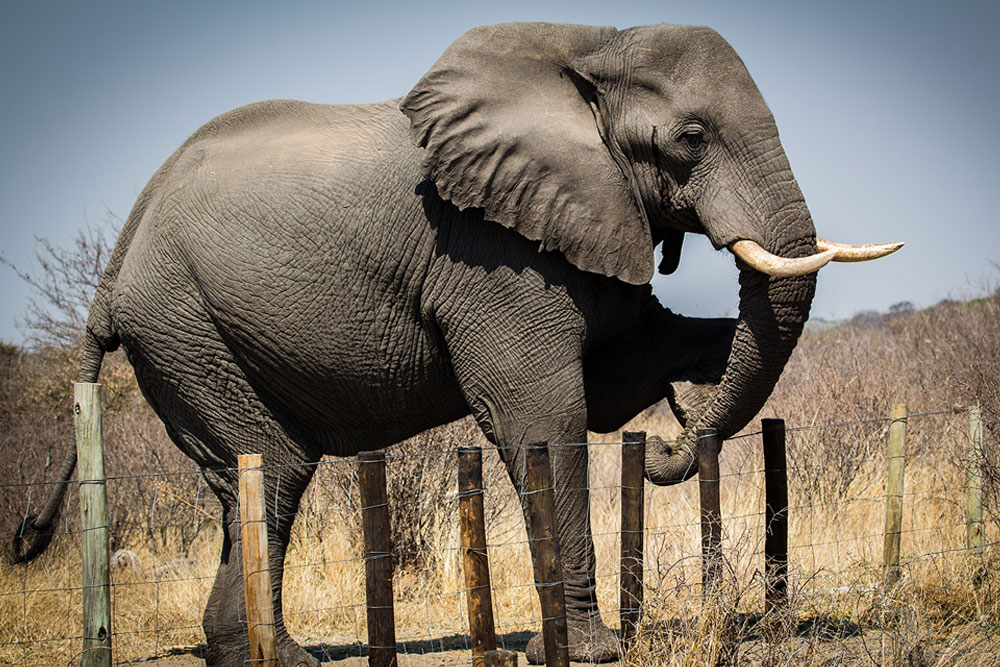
{"x": 290, "y": 654}
{"x": 589, "y": 641}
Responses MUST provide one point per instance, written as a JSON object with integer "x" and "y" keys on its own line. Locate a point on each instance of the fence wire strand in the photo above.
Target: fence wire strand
{"x": 835, "y": 544}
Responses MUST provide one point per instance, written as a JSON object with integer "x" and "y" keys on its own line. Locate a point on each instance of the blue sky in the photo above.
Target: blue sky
{"x": 888, "y": 112}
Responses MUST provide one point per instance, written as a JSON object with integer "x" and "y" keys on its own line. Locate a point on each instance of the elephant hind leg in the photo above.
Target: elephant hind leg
{"x": 224, "y": 621}
{"x": 213, "y": 413}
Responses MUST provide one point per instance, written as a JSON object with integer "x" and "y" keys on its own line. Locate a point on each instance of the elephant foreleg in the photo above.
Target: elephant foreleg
{"x": 562, "y": 424}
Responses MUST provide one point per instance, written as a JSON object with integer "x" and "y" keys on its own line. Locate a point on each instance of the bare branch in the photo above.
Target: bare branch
{"x": 63, "y": 282}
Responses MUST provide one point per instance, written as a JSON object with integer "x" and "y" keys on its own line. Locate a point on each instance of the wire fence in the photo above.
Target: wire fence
{"x": 166, "y": 531}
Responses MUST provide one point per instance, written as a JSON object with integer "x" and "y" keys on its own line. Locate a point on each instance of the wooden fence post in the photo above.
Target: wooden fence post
{"x": 378, "y": 560}
{"x": 93, "y": 526}
{"x": 894, "y": 494}
{"x": 775, "y": 517}
{"x": 482, "y": 634}
{"x": 974, "y": 486}
{"x": 711, "y": 510}
{"x": 633, "y": 464}
{"x": 501, "y": 659}
{"x": 256, "y": 567}
{"x": 548, "y": 566}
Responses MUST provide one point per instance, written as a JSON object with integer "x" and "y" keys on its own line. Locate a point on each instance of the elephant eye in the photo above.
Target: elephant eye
{"x": 694, "y": 139}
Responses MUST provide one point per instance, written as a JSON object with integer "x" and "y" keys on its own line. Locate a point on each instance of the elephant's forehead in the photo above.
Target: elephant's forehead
{"x": 693, "y": 68}
{"x": 679, "y": 48}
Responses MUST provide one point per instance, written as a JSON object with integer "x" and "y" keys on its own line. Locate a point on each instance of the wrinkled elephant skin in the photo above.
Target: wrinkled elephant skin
{"x": 304, "y": 280}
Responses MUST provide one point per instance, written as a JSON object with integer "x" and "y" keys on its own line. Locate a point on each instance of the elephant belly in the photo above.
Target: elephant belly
{"x": 367, "y": 381}
{"x": 340, "y": 379}
{"x": 344, "y": 412}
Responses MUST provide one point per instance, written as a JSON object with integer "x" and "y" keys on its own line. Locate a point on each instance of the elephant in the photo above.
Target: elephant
{"x": 304, "y": 280}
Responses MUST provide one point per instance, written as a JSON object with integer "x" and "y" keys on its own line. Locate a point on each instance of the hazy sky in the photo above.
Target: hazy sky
{"x": 888, "y": 112}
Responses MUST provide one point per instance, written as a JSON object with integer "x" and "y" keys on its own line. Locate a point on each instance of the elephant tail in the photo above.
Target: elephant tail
{"x": 36, "y": 530}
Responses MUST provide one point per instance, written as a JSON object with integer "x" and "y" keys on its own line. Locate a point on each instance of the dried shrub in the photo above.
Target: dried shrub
{"x": 36, "y": 426}
{"x": 63, "y": 284}
{"x": 937, "y": 359}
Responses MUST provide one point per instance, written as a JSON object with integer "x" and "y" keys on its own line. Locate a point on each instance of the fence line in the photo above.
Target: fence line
{"x": 667, "y": 549}
{"x": 454, "y": 451}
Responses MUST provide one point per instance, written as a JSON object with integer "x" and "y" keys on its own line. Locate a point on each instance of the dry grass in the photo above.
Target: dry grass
{"x": 839, "y": 610}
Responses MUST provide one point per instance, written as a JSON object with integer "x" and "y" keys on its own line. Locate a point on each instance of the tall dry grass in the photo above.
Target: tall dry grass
{"x": 835, "y": 396}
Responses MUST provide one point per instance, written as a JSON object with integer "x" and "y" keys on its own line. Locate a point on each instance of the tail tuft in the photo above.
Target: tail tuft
{"x": 30, "y": 540}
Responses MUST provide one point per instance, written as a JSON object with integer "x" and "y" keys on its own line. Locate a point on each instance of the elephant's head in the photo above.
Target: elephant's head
{"x": 600, "y": 144}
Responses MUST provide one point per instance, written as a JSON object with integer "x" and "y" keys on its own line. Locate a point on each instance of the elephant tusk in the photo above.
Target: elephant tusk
{"x": 779, "y": 267}
{"x": 858, "y": 253}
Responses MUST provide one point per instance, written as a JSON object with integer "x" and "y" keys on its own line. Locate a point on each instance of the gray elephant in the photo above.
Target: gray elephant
{"x": 304, "y": 280}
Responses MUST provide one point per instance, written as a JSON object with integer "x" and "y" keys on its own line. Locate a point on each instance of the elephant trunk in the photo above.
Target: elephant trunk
{"x": 772, "y": 314}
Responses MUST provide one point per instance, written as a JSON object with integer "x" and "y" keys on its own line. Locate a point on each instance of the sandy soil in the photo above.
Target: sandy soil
{"x": 856, "y": 650}
{"x": 442, "y": 652}
{"x": 847, "y": 645}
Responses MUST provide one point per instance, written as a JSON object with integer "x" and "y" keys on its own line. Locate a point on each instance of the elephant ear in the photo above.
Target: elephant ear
{"x": 507, "y": 126}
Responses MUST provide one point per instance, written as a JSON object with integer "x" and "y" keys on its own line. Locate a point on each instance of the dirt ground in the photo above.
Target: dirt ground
{"x": 451, "y": 658}
{"x": 816, "y": 641}
{"x": 341, "y": 652}
{"x": 428, "y": 660}
{"x": 862, "y": 649}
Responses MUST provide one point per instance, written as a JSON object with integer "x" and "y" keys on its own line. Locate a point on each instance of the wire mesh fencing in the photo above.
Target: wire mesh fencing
{"x": 840, "y": 602}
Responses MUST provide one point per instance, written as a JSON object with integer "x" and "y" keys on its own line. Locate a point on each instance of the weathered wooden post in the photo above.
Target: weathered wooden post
{"x": 93, "y": 526}
{"x": 716, "y": 613}
{"x": 894, "y": 494}
{"x": 256, "y": 568}
{"x": 974, "y": 487}
{"x": 378, "y": 560}
{"x": 501, "y": 659}
{"x": 711, "y": 510}
{"x": 482, "y": 633}
{"x": 633, "y": 463}
{"x": 545, "y": 548}
{"x": 775, "y": 517}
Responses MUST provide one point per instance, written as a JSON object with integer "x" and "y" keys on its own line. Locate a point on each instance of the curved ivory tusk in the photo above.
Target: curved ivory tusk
{"x": 779, "y": 267}
{"x": 858, "y": 253}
